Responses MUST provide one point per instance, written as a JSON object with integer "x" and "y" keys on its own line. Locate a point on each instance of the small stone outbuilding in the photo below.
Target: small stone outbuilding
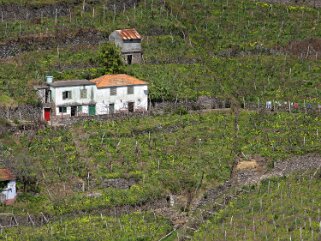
{"x": 8, "y": 191}
{"x": 129, "y": 41}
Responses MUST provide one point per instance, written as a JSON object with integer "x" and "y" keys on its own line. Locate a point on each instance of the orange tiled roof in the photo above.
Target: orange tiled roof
{"x": 111, "y": 80}
{"x": 6, "y": 174}
{"x": 128, "y": 34}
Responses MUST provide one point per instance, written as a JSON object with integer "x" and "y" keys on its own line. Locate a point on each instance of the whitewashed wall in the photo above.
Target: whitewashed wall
{"x": 75, "y": 97}
{"x": 103, "y": 99}
{"x": 10, "y": 190}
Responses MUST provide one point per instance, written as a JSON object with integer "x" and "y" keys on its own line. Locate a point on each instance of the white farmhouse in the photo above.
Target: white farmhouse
{"x": 120, "y": 93}
{"x": 107, "y": 94}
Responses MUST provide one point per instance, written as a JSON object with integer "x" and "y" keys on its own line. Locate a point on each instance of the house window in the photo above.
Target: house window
{"x": 130, "y": 90}
{"x": 83, "y": 94}
{"x": 66, "y": 95}
{"x": 79, "y": 109}
{"x": 113, "y": 91}
{"x": 62, "y": 109}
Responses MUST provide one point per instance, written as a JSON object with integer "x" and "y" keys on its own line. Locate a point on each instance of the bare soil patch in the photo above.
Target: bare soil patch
{"x": 310, "y": 3}
{"x": 61, "y": 38}
{"x": 307, "y": 48}
{"x": 247, "y": 165}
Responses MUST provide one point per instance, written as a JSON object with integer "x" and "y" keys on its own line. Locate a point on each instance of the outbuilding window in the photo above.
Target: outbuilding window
{"x": 130, "y": 90}
{"x": 66, "y": 95}
{"x": 113, "y": 91}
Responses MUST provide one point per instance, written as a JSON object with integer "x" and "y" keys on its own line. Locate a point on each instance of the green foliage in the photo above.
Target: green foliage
{"x": 110, "y": 59}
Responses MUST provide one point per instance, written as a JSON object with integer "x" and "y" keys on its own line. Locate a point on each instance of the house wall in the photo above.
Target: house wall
{"x": 131, "y": 46}
{"x": 103, "y": 99}
{"x": 10, "y": 192}
{"x": 41, "y": 93}
{"x": 136, "y": 59}
{"x": 75, "y": 98}
{"x": 114, "y": 37}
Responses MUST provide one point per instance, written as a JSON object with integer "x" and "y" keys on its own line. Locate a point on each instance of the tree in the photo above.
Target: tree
{"x": 110, "y": 59}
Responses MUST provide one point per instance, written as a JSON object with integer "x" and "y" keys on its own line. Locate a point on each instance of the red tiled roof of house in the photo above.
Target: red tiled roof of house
{"x": 128, "y": 34}
{"x": 111, "y": 80}
{"x": 6, "y": 174}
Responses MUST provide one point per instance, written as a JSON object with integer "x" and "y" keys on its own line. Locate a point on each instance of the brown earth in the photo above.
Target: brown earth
{"x": 307, "y": 48}
{"x": 311, "y": 3}
{"x": 61, "y": 38}
{"x": 15, "y": 11}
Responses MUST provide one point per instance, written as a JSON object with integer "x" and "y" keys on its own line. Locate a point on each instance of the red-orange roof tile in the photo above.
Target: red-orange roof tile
{"x": 111, "y": 80}
{"x": 6, "y": 174}
{"x": 128, "y": 34}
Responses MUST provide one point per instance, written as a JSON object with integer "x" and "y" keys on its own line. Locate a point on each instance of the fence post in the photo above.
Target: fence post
{"x": 244, "y": 103}
{"x": 273, "y": 105}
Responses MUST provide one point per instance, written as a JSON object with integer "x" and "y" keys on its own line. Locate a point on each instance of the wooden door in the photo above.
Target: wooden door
{"x": 73, "y": 110}
{"x": 129, "y": 59}
{"x": 111, "y": 108}
{"x": 92, "y": 110}
{"x": 131, "y": 106}
{"x": 47, "y": 114}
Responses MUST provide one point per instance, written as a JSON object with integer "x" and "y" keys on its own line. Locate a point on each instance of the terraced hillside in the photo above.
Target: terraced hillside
{"x": 190, "y": 49}
{"x": 136, "y": 166}
{"x": 171, "y": 176}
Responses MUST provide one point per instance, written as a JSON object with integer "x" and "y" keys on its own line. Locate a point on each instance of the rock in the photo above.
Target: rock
{"x": 120, "y": 183}
{"x": 94, "y": 194}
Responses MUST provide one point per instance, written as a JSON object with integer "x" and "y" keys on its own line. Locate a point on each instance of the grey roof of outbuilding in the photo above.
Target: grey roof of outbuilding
{"x": 67, "y": 83}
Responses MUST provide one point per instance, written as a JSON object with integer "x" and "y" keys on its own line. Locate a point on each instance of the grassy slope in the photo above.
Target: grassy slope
{"x": 169, "y": 159}
{"x": 165, "y": 159}
{"x": 277, "y": 210}
{"x": 136, "y": 226}
{"x": 166, "y": 154}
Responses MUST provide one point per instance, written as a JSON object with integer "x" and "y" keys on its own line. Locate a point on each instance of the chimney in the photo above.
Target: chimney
{"x": 49, "y": 79}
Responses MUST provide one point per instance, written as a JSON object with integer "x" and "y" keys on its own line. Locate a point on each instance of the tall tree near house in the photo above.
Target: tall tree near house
{"x": 26, "y": 169}
{"x": 110, "y": 59}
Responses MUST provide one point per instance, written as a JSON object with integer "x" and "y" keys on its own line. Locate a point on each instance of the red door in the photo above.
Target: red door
{"x": 47, "y": 114}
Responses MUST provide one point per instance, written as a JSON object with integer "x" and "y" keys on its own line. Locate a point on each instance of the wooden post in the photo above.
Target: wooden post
{"x": 244, "y": 102}
{"x": 69, "y": 15}
{"x": 114, "y": 17}
{"x": 56, "y": 16}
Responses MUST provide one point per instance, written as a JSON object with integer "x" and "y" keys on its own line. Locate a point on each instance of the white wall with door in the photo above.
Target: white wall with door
{"x": 117, "y": 98}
